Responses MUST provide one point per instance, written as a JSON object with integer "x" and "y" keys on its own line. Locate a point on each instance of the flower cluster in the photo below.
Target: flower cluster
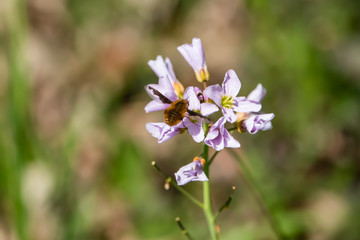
{"x": 189, "y": 109}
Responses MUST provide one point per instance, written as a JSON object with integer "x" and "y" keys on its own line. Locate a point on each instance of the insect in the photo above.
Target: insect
{"x": 177, "y": 110}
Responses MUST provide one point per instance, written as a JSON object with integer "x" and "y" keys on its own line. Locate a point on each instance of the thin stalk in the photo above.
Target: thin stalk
{"x": 226, "y": 204}
{"x": 183, "y": 229}
{"x": 258, "y": 195}
{"x": 213, "y": 157}
{"x": 180, "y": 189}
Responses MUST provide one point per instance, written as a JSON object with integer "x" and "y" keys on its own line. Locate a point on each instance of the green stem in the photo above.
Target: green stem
{"x": 207, "y": 196}
{"x": 258, "y": 195}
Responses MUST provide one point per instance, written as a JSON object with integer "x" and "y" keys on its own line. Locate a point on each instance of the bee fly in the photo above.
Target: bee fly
{"x": 177, "y": 110}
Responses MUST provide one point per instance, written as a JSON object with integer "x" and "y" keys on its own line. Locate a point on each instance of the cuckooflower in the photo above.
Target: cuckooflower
{"x": 194, "y": 55}
{"x": 164, "y": 68}
{"x": 218, "y": 137}
{"x": 253, "y": 122}
{"x": 258, "y": 122}
{"x": 191, "y": 172}
{"x": 226, "y": 97}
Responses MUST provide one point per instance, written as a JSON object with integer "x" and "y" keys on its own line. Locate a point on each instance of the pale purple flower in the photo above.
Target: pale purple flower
{"x": 218, "y": 137}
{"x": 162, "y": 131}
{"x": 164, "y": 68}
{"x": 226, "y": 97}
{"x": 194, "y": 55}
{"x": 165, "y": 88}
{"x": 258, "y": 122}
{"x": 191, "y": 172}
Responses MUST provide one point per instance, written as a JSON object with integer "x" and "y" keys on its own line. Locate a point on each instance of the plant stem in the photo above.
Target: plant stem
{"x": 207, "y": 196}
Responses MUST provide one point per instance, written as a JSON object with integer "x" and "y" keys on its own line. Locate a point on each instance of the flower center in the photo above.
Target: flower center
{"x": 227, "y": 101}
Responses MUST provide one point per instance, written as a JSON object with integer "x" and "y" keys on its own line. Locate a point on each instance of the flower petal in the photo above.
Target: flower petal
{"x": 154, "y": 105}
{"x": 245, "y": 105}
{"x": 207, "y": 109}
{"x": 229, "y": 115}
{"x": 161, "y": 131}
{"x": 193, "y": 54}
{"x": 231, "y": 84}
{"x": 257, "y": 94}
{"x": 214, "y": 92}
{"x": 190, "y": 95}
{"x": 230, "y": 141}
{"x": 195, "y": 129}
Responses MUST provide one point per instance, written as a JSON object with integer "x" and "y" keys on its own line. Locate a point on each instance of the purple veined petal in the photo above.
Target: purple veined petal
{"x": 231, "y": 84}
{"x": 161, "y": 131}
{"x": 190, "y": 172}
{"x": 207, "y": 109}
{"x": 257, "y": 94}
{"x": 154, "y": 129}
{"x": 190, "y": 95}
{"x": 155, "y": 105}
{"x": 267, "y": 116}
{"x": 214, "y": 92}
{"x": 196, "y": 42}
{"x": 193, "y": 54}
{"x": 219, "y": 123}
{"x": 229, "y": 114}
{"x": 230, "y": 141}
{"x": 195, "y": 129}
{"x": 164, "y": 87}
{"x": 170, "y": 69}
{"x": 167, "y": 133}
{"x": 163, "y": 68}
{"x": 216, "y": 143}
{"x": 259, "y": 122}
{"x": 167, "y": 88}
{"x": 245, "y": 105}
{"x": 212, "y": 134}
{"x": 214, "y": 137}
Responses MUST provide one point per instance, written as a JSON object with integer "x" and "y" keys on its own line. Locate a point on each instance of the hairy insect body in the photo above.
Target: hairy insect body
{"x": 175, "y": 113}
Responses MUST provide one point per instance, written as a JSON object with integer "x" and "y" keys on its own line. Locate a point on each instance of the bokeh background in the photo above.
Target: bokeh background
{"x": 74, "y": 152}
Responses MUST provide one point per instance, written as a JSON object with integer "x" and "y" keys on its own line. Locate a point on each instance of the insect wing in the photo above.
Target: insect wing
{"x": 161, "y": 96}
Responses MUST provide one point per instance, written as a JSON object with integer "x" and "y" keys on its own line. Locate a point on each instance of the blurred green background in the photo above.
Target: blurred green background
{"x": 75, "y": 155}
